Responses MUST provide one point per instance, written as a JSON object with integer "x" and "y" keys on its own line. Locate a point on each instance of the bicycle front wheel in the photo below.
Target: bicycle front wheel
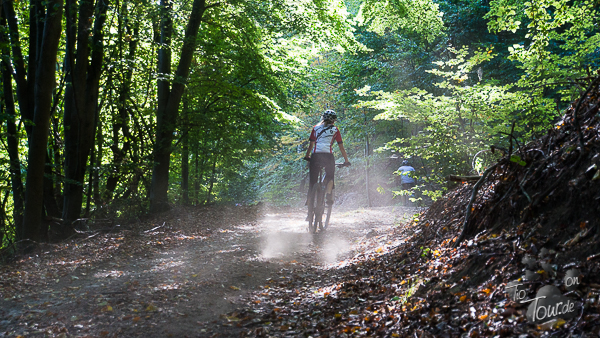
{"x": 326, "y": 224}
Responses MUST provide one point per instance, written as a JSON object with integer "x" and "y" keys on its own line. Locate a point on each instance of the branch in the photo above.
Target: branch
{"x": 575, "y": 118}
{"x": 463, "y": 233}
{"x": 456, "y": 178}
{"x": 216, "y": 4}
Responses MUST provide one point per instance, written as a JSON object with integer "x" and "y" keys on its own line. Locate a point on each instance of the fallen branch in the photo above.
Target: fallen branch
{"x": 575, "y": 118}
{"x": 594, "y": 256}
{"x": 478, "y": 185}
{"x": 155, "y": 228}
{"x": 455, "y": 178}
{"x": 522, "y": 183}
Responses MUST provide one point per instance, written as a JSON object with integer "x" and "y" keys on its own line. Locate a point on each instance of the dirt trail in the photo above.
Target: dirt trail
{"x": 185, "y": 289}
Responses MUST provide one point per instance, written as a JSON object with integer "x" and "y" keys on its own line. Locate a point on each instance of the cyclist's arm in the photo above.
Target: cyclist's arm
{"x": 338, "y": 137}
{"x": 310, "y": 147}
{"x": 343, "y": 151}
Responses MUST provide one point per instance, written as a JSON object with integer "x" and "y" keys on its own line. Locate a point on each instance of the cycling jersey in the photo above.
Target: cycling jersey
{"x": 323, "y": 135}
{"x": 404, "y": 171}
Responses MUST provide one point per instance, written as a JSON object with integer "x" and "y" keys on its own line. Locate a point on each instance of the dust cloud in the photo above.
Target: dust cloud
{"x": 285, "y": 237}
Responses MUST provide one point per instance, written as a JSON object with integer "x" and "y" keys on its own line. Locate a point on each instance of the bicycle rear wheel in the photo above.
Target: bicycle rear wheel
{"x": 313, "y": 216}
{"x": 320, "y": 207}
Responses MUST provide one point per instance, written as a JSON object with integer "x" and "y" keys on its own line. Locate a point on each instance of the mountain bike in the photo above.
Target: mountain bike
{"x": 317, "y": 205}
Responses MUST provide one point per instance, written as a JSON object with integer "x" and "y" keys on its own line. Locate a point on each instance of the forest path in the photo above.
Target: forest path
{"x": 184, "y": 289}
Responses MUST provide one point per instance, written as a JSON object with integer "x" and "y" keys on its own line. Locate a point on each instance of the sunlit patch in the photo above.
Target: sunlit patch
{"x": 166, "y": 287}
{"x": 166, "y": 265}
{"x": 75, "y": 262}
{"x": 246, "y": 227}
{"x": 110, "y": 274}
{"x": 230, "y": 250}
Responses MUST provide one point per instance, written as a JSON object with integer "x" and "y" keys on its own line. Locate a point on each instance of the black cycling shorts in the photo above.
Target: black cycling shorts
{"x": 317, "y": 161}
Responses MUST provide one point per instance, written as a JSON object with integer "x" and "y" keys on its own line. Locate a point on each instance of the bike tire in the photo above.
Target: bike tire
{"x": 312, "y": 204}
{"x": 320, "y": 206}
{"x": 326, "y": 224}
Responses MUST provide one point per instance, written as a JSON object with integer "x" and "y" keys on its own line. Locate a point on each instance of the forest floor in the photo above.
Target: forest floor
{"x": 529, "y": 264}
{"x": 184, "y": 273}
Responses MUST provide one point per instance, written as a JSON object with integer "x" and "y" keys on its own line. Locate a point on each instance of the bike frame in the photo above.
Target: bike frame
{"x": 316, "y": 204}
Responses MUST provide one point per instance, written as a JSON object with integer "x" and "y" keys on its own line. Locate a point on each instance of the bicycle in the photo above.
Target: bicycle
{"x": 316, "y": 203}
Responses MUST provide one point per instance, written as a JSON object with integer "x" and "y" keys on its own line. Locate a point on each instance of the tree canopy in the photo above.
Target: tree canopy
{"x": 112, "y": 109}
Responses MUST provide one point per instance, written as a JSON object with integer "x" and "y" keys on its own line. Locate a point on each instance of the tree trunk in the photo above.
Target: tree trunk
{"x": 367, "y": 183}
{"x": 99, "y": 147}
{"x": 50, "y": 203}
{"x": 185, "y": 158}
{"x": 3, "y": 224}
{"x": 160, "y": 171}
{"x": 212, "y": 181}
{"x": 24, "y": 81}
{"x": 81, "y": 98}
{"x": 185, "y": 170}
{"x": 197, "y": 176}
{"x": 56, "y": 147}
{"x": 44, "y": 84}
{"x": 167, "y": 112}
{"x": 12, "y": 140}
{"x": 91, "y": 176}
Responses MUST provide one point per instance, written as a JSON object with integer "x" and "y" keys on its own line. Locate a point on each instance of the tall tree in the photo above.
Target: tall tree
{"x": 12, "y": 137}
{"x": 81, "y": 97}
{"x": 44, "y": 85}
{"x": 170, "y": 98}
{"x": 25, "y": 77}
{"x": 121, "y": 123}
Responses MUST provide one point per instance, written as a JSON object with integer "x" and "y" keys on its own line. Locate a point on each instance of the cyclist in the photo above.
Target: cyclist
{"x": 321, "y": 140}
{"x": 407, "y": 181}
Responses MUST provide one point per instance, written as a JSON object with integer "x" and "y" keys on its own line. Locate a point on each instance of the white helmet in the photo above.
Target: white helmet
{"x": 329, "y": 115}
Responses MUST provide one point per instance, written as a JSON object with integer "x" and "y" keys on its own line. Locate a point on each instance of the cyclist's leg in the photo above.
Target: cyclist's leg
{"x": 316, "y": 162}
{"x": 314, "y": 172}
{"x": 329, "y": 164}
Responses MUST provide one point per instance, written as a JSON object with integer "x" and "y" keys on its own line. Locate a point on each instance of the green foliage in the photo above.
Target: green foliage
{"x": 452, "y": 127}
{"x": 561, "y": 44}
{"x": 421, "y": 17}
{"x": 421, "y": 79}
{"x": 517, "y": 159}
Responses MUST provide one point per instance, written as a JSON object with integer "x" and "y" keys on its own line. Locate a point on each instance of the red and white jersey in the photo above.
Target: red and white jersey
{"x": 323, "y": 136}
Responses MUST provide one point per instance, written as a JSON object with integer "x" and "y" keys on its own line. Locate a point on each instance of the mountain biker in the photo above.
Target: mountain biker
{"x": 406, "y": 180}
{"x": 321, "y": 140}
